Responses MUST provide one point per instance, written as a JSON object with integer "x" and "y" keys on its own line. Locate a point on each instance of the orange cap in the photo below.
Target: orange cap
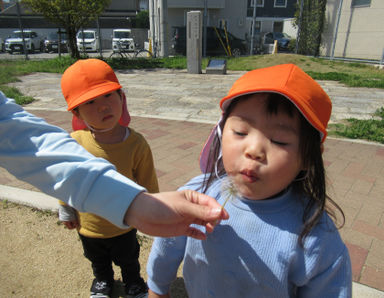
{"x": 87, "y": 79}
{"x": 292, "y": 82}
{"x": 285, "y": 79}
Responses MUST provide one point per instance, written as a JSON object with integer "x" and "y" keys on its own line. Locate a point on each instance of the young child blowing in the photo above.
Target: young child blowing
{"x": 100, "y": 121}
{"x": 263, "y": 161}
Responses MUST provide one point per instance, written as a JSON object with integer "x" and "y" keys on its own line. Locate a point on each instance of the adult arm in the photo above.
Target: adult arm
{"x": 48, "y": 158}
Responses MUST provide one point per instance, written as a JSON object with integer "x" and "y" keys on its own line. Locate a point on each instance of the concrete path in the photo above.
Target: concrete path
{"x": 175, "y": 112}
{"x": 174, "y": 94}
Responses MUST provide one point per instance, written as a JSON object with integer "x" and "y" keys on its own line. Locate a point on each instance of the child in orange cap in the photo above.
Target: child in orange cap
{"x": 100, "y": 121}
{"x": 263, "y": 161}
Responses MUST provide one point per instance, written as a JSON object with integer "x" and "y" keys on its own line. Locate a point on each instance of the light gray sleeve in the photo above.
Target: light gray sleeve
{"x": 48, "y": 158}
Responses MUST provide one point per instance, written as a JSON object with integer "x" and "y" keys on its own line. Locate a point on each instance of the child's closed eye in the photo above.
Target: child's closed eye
{"x": 239, "y": 133}
{"x": 279, "y": 143}
{"x": 90, "y": 102}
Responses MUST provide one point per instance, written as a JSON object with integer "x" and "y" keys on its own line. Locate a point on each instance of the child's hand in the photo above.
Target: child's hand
{"x": 152, "y": 294}
{"x": 71, "y": 224}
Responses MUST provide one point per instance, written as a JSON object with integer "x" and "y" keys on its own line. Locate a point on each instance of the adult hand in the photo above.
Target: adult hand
{"x": 169, "y": 214}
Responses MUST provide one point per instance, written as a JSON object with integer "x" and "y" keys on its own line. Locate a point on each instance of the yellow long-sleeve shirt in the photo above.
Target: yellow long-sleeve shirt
{"x": 133, "y": 159}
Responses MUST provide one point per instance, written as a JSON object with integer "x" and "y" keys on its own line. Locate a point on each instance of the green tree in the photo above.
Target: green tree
{"x": 142, "y": 19}
{"x": 71, "y": 15}
{"x": 310, "y": 23}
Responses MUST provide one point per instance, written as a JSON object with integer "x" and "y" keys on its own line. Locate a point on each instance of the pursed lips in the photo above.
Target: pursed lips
{"x": 249, "y": 175}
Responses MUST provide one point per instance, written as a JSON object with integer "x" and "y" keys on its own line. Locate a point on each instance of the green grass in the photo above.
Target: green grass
{"x": 12, "y": 92}
{"x": 351, "y": 74}
{"x": 371, "y": 129}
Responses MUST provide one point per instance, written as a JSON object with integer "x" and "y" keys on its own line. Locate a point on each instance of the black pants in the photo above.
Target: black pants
{"x": 123, "y": 250}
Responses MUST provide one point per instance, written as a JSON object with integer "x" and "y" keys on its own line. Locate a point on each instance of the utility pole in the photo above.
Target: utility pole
{"x": 99, "y": 38}
{"x": 205, "y": 29}
{"x": 300, "y": 24}
{"x": 152, "y": 25}
{"x": 253, "y": 26}
{"x": 21, "y": 30}
{"x": 336, "y": 29}
{"x": 163, "y": 28}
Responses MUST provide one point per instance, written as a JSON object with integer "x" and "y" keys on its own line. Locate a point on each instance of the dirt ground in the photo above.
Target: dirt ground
{"x": 40, "y": 258}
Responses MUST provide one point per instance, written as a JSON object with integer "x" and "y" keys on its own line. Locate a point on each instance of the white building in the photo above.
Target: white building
{"x": 354, "y": 29}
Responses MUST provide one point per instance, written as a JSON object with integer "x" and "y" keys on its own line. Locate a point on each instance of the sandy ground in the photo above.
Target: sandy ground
{"x": 40, "y": 258}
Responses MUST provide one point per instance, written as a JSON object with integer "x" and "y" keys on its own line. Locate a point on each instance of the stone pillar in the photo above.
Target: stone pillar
{"x": 194, "y": 41}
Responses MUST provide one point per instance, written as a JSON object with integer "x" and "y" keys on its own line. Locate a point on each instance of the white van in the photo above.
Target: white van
{"x": 122, "y": 41}
{"x": 88, "y": 42}
{"x": 14, "y": 43}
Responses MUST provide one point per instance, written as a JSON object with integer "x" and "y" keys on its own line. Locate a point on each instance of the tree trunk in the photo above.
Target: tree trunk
{"x": 322, "y": 5}
{"x": 72, "y": 43}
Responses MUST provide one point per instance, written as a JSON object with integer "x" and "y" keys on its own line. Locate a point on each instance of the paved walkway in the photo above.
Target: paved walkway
{"x": 175, "y": 111}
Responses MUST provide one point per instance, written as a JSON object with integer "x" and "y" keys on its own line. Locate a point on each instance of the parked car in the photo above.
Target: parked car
{"x": 122, "y": 40}
{"x": 33, "y": 42}
{"x": 214, "y": 46}
{"x": 2, "y": 45}
{"x": 283, "y": 40}
{"x": 89, "y": 41}
{"x": 51, "y": 43}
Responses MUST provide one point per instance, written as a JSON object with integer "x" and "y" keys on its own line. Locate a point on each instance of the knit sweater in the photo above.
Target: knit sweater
{"x": 132, "y": 158}
{"x": 255, "y": 253}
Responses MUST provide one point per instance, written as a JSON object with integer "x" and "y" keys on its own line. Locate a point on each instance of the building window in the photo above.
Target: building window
{"x": 259, "y": 3}
{"x": 280, "y": 3}
{"x": 356, "y": 3}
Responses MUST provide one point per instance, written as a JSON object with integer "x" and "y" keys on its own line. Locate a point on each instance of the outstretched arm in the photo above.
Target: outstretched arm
{"x": 48, "y": 158}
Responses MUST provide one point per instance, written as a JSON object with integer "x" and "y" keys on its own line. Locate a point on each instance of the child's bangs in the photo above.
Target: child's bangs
{"x": 279, "y": 103}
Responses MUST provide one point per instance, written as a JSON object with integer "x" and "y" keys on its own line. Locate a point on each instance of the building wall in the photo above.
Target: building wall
{"x": 289, "y": 28}
{"x": 235, "y": 21}
{"x": 233, "y": 13}
{"x": 360, "y": 32}
{"x": 268, "y": 10}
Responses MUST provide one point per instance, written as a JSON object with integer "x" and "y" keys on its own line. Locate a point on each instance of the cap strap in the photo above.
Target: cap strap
{"x": 218, "y": 132}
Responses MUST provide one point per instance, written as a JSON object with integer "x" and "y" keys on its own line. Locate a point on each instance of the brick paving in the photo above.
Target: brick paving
{"x": 355, "y": 176}
{"x": 355, "y": 170}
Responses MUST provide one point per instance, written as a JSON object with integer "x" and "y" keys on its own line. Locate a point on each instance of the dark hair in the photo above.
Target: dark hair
{"x": 310, "y": 184}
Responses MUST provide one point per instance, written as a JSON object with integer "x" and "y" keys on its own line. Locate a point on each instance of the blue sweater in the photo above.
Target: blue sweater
{"x": 48, "y": 158}
{"x": 255, "y": 254}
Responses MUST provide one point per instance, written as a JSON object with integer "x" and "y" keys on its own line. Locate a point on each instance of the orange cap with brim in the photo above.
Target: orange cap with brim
{"x": 285, "y": 79}
{"x": 292, "y": 82}
{"x": 87, "y": 79}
